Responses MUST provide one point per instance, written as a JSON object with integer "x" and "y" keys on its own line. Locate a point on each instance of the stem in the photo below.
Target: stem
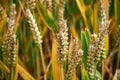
{"x": 12, "y": 71}
{"x": 38, "y": 65}
{"x": 95, "y": 72}
{"x": 61, "y": 72}
{"x": 102, "y": 70}
{"x": 43, "y": 62}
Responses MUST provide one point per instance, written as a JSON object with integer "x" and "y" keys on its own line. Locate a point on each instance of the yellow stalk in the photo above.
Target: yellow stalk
{"x": 95, "y": 18}
{"x": 106, "y": 44}
{"x": 73, "y": 31}
{"x": 74, "y": 76}
{"x": 57, "y": 68}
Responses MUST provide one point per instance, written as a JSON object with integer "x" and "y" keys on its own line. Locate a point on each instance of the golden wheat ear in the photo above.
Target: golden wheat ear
{"x": 10, "y": 44}
{"x": 74, "y": 58}
{"x": 62, "y": 35}
{"x": 91, "y": 63}
{"x": 103, "y": 30}
{"x": 34, "y": 28}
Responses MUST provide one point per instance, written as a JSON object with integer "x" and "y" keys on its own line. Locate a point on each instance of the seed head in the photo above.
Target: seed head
{"x": 91, "y": 56}
{"x": 74, "y": 58}
{"x": 103, "y": 30}
{"x": 9, "y": 46}
{"x": 62, "y": 38}
{"x": 34, "y": 28}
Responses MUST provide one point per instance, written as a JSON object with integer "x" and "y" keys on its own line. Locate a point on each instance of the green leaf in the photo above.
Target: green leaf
{"x": 89, "y": 13}
{"x": 48, "y": 18}
{"x": 85, "y": 39}
{"x": 87, "y": 34}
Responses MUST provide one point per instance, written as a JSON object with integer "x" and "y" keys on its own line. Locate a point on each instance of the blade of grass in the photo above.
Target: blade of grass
{"x": 47, "y": 18}
{"x": 3, "y": 66}
{"x": 82, "y": 10}
{"x": 24, "y": 74}
{"x": 85, "y": 39}
{"x": 84, "y": 75}
{"x": 43, "y": 62}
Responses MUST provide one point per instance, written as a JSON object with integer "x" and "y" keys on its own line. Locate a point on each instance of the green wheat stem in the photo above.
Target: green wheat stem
{"x": 102, "y": 69}
{"x": 42, "y": 58}
{"x": 33, "y": 58}
{"x": 38, "y": 65}
{"x": 95, "y": 72}
{"x": 12, "y": 73}
{"x": 41, "y": 52}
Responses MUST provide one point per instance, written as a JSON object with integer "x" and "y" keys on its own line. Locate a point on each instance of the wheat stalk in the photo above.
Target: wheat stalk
{"x": 9, "y": 46}
{"x": 97, "y": 47}
{"x": 36, "y": 35}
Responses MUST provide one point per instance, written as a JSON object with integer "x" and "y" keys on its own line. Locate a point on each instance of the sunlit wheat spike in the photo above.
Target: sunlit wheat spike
{"x": 1, "y": 12}
{"x": 31, "y": 4}
{"x": 10, "y": 44}
{"x": 62, "y": 38}
{"x": 92, "y": 56}
{"x": 34, "y": 28}
{"x": 74, "y": 58}
{"x": 103, "y": 30}
{"x": 101, "y": 48}
{"x": 103, "y": 21}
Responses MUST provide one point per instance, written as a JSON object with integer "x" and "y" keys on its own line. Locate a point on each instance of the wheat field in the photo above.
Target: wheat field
{"x": 59, "y": 39}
